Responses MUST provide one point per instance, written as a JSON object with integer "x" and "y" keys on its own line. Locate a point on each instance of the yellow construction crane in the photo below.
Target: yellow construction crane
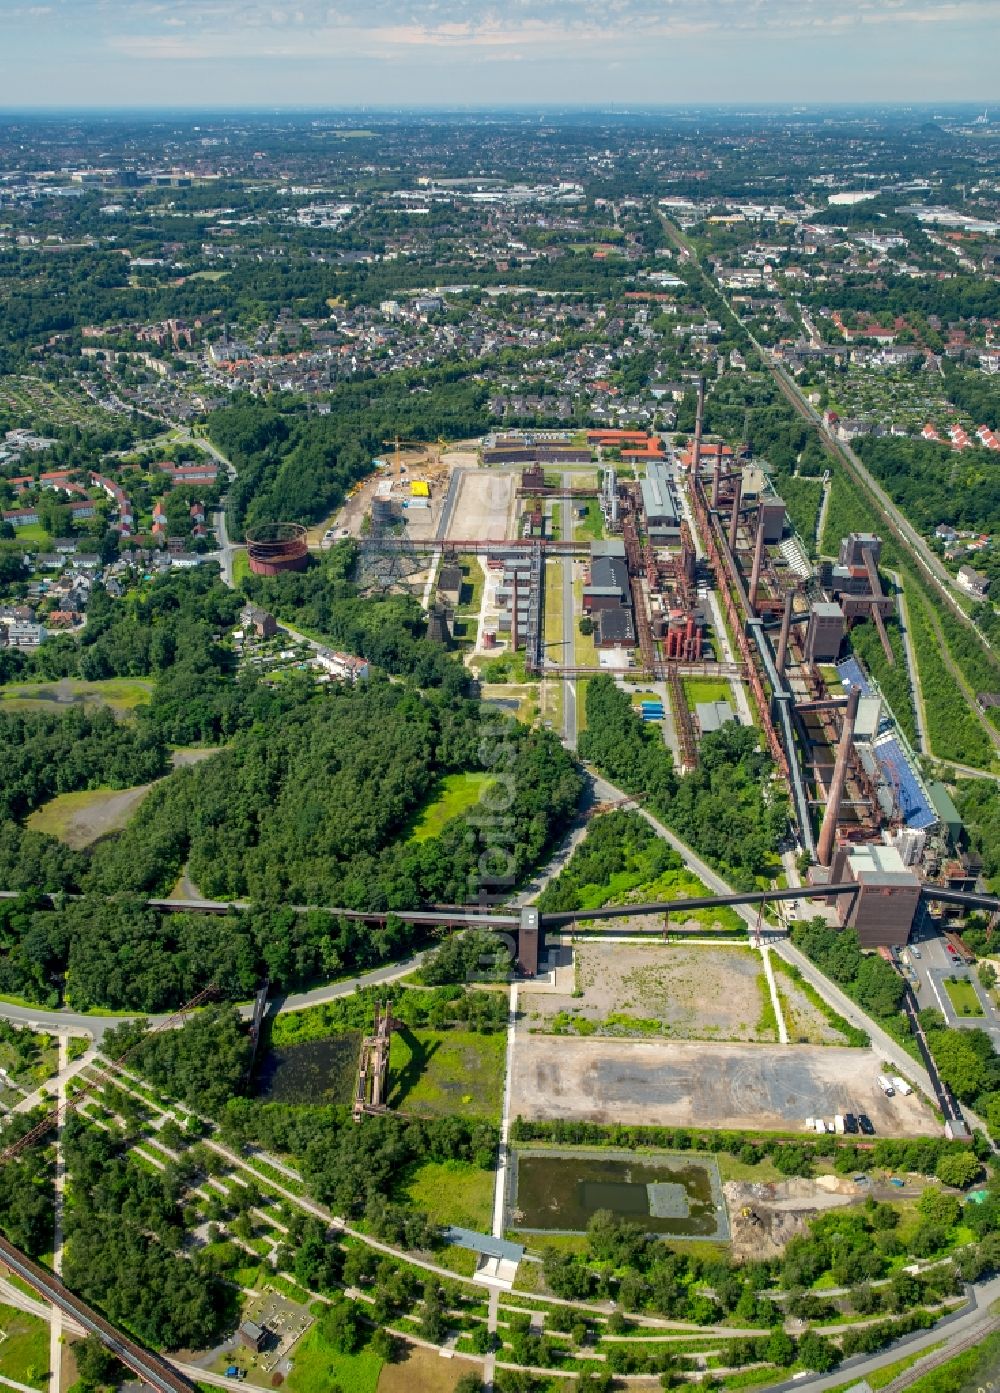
{"x": 398, "y": 444}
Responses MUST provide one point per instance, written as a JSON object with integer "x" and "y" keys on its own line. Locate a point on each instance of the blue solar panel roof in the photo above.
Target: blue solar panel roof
{"x": 851, "y": 675}
{"x": 917, "y": 812}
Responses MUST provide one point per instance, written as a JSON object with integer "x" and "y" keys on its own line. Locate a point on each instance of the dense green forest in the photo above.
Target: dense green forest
{"x": 727, "y": 809}
{"x": 933, "y": 483}
{"x": 978, "y": 801}
{"x": 42, "y": 755}
{"x": 294, "y": 467}
{"x": 894, "y": 680}
{"x": 968, "y": 1064}
{"x": 866, "y": 978}
{"x": 124, "y": 1234}
{"x": 316, "y": 809}
{"x": 352, "y": 1169}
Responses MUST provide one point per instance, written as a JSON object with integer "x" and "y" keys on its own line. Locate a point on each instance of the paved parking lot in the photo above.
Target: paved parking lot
{"x": 687, "y": 1084}
{"x": 933, "y": 966}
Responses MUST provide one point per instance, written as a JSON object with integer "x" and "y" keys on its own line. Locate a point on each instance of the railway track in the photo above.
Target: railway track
{"x": 942, "y": 1356}
{"x": 151, "y": 1368}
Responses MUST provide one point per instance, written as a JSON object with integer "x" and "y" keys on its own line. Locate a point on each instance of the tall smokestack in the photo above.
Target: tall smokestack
{"x": 828, "y": 831}
{"x": 698, "y": 419}
{"x": 786, "y": 624}
{"x": 716, "y": 478}
{"x": 734, "y": 521}
{"x": 758, "y": 557}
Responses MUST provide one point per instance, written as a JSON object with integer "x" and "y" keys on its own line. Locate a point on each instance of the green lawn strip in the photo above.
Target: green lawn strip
{"x": 441, "y": 1073}
{"x": 24, "y": 1347}
{"x": 552, "y": 609}
{"x": 454, "y": 795}
{"x": 962, "y": 995}
{"x": 955, "y": 732}
{"x": 698, "y": 689}
{"x": 241, "y": 567}
{"x": 452, "y": 1192}
{"x": 767, "y": 1023}
{"x": 317, "y": 1367}
{"x": 851, "y": 1033}
{"x": 584, "y": 648}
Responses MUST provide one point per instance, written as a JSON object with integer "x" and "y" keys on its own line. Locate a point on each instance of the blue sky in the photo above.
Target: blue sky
{"x": 443, "y": 52}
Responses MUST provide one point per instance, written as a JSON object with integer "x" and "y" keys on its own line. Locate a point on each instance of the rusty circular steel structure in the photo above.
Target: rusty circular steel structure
{"x": 274, "y": 547}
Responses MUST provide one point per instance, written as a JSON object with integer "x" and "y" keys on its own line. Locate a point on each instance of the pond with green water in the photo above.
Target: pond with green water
{"x": 317, "y": 1071}
{"x": 671, "y": 1196}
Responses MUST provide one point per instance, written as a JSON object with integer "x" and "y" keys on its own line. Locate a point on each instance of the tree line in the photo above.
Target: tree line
{"x": 727, "y": 809}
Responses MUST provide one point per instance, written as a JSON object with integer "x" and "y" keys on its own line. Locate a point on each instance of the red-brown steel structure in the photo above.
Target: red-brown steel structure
{"x": 277, "y": 546}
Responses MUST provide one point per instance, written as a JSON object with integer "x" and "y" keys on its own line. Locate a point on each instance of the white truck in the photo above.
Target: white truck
{"x": 885, "y": 1084}
{"x": 838, "y": 1125}
{"x": 901, "y": 1086}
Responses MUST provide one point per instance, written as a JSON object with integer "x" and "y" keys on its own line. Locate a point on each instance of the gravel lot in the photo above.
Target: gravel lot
{"x": 694, "y": 991}
{"x": 677, "y": 1084}
{"x": 482, "y": 507}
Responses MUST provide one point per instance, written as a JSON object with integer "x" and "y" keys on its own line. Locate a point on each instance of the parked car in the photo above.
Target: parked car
{"x": 866, "y": 1125}
{"x": 850, "y": 1122}
{"x": 915, "y": 951}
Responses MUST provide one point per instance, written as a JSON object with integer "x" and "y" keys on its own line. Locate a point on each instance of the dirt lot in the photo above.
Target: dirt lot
{"x": 676, "y": 1084}
{"x": 78, "y": 819}
{"x": 483, "y": 506}
{"x": 763, "y": 1217}
{"x": 684, "y": 990}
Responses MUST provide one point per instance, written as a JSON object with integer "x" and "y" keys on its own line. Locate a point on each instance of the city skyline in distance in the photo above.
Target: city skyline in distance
{"x": 104, "y": 54}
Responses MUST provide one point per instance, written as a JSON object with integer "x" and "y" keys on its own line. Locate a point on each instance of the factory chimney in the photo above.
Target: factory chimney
{"x": 734, "y": 521}
{"x": 828, "y": 831}
{"x": 698, "y": 420}
{"x": 786, "y": 624}
{"x": 758, "y": 557}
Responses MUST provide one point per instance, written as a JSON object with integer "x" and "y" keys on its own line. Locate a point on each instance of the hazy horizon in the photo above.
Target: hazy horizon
{"x": 430, "y": 54}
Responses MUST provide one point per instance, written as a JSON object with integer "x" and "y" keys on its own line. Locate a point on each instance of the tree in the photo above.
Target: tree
{"x": 96, "y": 1365}
{"x": 958, "y": 1168}
{"x": 938, "y": 1207}
{"x": 341, "y": 1327}
{"x": 780, "y": 1348}
{"x": 818, "y": 1354}
{"x": 469, "y": 1383}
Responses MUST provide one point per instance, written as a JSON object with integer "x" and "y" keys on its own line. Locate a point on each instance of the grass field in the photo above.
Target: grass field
{"x": 318, "y": 1367}
{"x": 24, "y": 1348}
{"x": 34, "y": 533}
{"x": 80, "y": 818}
{"x": 962, "y": 995}
{"x": 452, "y": 1192}
{"x": 241, "y": 567}
{"x": 455, "y": 794}
{"x": 122, "y": 694}
{"x": 592, "y": 525}
{"x": 470, "y": 601}
{"x": 422, "y": 1371}
{"x": 706, "y": 689}
{"x": 444, "y": 1072}
{"x": 553, "y": 611}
